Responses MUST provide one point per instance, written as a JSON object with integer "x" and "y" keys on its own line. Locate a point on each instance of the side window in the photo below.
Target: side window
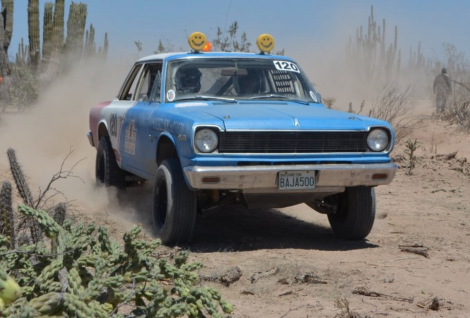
{"x": 149, "y": 89}
{"x": 131, "y": 83}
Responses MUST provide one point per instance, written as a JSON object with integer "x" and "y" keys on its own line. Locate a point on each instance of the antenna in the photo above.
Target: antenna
{"x": 226, "y": 18}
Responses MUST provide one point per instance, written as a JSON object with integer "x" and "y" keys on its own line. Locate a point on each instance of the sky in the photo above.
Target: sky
{"x": 297, "y": 25}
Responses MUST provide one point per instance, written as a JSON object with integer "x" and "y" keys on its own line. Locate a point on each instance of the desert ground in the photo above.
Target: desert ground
{"x": 418, "y": 250}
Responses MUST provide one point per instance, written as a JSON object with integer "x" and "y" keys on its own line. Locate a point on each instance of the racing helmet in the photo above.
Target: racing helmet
{"x": 249, "y": 83}
{"x": 188, "y": 80}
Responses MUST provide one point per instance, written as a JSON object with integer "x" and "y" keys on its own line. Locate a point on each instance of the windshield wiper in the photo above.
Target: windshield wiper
{"x": 204, "y": 97}
{"x": 280, "y": 96}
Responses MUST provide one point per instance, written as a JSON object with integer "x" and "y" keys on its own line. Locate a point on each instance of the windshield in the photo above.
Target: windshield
{"x": 237, "y": 79}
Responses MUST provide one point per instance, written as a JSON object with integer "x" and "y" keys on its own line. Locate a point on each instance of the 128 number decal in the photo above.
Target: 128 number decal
{"x": 286, "y": 66}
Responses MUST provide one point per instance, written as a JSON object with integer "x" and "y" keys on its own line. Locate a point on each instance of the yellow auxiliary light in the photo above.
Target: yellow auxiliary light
{"x": 196, "y": 41}
{"x": 265, "y": 43}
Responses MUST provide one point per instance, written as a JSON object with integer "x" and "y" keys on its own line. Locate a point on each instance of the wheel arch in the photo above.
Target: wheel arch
{"x": 102, "y": 131}
{"x": 166, "y": 148}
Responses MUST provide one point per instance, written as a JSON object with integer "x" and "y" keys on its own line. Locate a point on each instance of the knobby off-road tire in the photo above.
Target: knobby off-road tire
{"x": 107, "y": 169}
{"x": 174, "y": 205}
{"x": 355, "y": 214}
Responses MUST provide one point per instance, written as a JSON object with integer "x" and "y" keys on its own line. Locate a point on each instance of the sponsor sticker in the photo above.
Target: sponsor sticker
{"x": 131, "y": 137}
{"x": 170, "y": 95}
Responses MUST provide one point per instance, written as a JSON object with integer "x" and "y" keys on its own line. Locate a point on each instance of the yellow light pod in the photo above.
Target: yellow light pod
{"x": 197, "y": 40}
{"x": 265, "y": 43}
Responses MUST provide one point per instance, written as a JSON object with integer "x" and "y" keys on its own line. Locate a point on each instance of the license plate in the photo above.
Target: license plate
{"x": 296, "y": 180}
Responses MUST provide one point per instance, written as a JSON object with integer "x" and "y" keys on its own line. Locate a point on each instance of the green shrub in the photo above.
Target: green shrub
{"x": 91, "y": 275}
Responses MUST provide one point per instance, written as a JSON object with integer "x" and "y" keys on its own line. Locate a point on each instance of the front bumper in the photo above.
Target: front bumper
{"x": 266, "y": 177}
{"x": 90, "y": 138}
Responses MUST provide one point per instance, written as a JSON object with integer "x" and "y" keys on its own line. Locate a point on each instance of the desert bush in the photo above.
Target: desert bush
{"x": 22, "y": 87}
{"x": 91, "y": 275}
{"x": 76, "y": 270}
{"x": 411, "y": 147}
{"x": 396, "y": 104}
{"x": 329, "y": 102}
{"x": 457, "y": 109}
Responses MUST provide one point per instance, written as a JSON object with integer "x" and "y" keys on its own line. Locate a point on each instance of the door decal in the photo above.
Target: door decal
{"x": 130, "y": 139}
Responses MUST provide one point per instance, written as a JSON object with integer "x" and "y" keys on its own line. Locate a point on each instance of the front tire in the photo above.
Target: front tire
{"x": 107, "y": 171}
{"x": 355, "y": 213}
{"x": 174, "y": 204}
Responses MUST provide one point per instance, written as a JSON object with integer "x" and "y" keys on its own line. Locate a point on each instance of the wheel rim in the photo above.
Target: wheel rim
{"x": 161, "y": 204}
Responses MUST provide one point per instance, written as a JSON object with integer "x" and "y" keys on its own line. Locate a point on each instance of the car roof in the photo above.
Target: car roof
{"x": 179, "y": 55}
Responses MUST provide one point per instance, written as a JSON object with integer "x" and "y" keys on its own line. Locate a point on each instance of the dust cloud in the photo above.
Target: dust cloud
{"x": 57, "y": 125}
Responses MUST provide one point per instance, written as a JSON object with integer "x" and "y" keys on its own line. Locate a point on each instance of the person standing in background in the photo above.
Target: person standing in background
{"x": 442, "y": 88}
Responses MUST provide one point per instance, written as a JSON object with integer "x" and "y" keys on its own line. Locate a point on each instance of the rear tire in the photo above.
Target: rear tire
{"x": 355, "y": 213}
{"x": 107, "y": 171}
{"x": 174, "y": 204}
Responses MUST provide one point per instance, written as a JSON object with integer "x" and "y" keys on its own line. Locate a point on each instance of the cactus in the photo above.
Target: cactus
{"x": 4, "y": 69}
{"x": 7, "y": 222}
{"x": 20, "y": 180}
{"x": 75, "y": 30}
{"x": 60, "y": 212}
{"x": 373, "y": 61}
{"x": 9, "y": 288}
{"x": 104, "y": 53}
{"x": 58, "y": 26}
{"x": 47, "y": 33}
{"x": 6, "y": 30}
{"x": 24, "y": 192}
{"x": 7, "y": 12}
{"x": 62, "y": 285}
{"x": 33, "y": 33}
{"x": 90, "y": 42}
{"x": 47, "y": 223}
{"x": 57, "y": 39}
{"x": 23, "y": 53}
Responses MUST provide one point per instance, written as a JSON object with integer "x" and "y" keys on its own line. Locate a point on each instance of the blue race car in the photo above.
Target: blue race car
{"x": 215, "y": 128}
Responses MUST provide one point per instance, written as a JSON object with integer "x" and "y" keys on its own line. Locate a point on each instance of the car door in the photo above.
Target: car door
{"x": 137, "y": 141}
{"x": 115, "y": 114}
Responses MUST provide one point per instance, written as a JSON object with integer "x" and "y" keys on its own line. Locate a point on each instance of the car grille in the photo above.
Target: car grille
{"x": 292, "y": 142}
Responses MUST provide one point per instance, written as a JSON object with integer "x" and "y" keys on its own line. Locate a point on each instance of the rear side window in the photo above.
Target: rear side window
{"x": 130, "y": 85}
{"x": 149, "y": 87}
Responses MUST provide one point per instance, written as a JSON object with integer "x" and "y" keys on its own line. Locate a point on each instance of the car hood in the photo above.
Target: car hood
{"x": 286, "y": 116}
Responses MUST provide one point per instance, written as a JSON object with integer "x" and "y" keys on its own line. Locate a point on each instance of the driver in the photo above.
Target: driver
{"x": 250, "y": 83}
{"x": 188, "y": 80}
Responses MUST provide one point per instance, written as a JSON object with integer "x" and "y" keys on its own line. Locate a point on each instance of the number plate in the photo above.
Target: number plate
{"x": 296, "y": 180}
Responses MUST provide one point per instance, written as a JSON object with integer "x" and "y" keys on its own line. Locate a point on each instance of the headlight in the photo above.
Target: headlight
{"x": 206, "y": 140}
{"x": 377, "y": 140}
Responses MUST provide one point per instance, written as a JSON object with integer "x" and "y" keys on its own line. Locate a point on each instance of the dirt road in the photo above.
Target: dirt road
{"x": 313, "y": 269}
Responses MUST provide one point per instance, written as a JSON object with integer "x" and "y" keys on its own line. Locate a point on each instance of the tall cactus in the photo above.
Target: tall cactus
{"x": 75, "y": 30}
{"x": 7, "y": 221}
{"x": 90, "y": 48}
{"x": 58, "y": 26}
{"x": 47, "y": 32}
{"x": 24, "y": 192}
{"x": 22, "y": 55}
{"x": 20, "y": 180}
{"x": 372, "y": 59}
{"x": 104, "y": 53}
{"x": 7, "y": 12}
{"x": 3, "y": 55}
{"x": 33, "y": 33}
{"x": 57, "y": 39}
